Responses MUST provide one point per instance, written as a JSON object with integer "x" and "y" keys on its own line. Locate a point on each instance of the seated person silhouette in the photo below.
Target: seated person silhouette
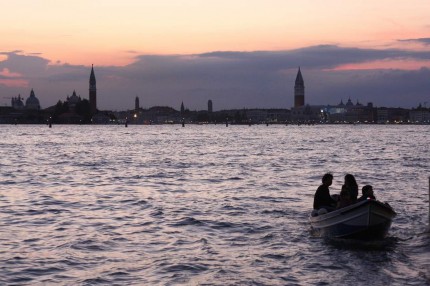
{"x": 351, "y": 184}
{"x": 367, "y": 193}
{"x": 322, "y": 198}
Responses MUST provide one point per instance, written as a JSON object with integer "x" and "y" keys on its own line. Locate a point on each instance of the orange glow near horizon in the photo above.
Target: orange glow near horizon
{"x": 90, "y": 57}
{"x": 103, "y": 32}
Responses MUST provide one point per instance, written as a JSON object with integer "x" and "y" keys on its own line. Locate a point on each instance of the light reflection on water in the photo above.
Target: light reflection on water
{"x": 204, "y": 205}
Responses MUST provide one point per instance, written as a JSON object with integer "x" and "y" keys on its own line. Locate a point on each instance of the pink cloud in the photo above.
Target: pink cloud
{"x": 11, "y": 79}
{"x": 401, "y": 64}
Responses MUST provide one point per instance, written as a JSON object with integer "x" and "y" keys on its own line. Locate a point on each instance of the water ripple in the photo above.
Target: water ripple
{"x": 204, "y": 205}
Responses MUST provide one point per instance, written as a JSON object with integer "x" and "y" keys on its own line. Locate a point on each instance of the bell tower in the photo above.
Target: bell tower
{"x": 93, "y": 91}
{"x": 136, "y": 103}
{"x": 299, "y": 90}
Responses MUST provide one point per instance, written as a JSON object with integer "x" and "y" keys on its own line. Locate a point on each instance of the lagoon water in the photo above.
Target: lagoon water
{"x": 205, "y": 205}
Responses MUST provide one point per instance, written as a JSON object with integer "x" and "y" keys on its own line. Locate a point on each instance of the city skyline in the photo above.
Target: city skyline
{"x": 240, "y": 55}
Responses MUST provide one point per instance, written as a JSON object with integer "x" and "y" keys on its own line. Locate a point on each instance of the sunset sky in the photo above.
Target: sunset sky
{"x": 239, "y": 54}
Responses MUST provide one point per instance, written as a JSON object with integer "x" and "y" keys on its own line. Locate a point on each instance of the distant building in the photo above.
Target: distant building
{"x": 93, "y": 92}
{"x": 101, "y": 118}
{"x": 299, "y": 90}
{"x": 20, "y": 111}
{"x": 136, "y": 103}
{"x": 160, "y": 115}
{"x": 256, "y": 116}
{"x": 419, "y": 115}
{"x": 301, "y": 112}
{"x": 17, "y": 102}
{"x": 392, "y": 115}
{"x": 182, "y": 107}
{"x": 350, "y": 113}
{"x": 7, "y": 114}
{"x": 72, "y": 101}
{"x": 32, "y": 103}
{"x": 307, "y": 113}
{"x": 210, "y": 108}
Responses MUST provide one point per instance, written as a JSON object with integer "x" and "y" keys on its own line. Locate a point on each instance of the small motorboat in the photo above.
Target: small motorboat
{"x": 365, "y": 220}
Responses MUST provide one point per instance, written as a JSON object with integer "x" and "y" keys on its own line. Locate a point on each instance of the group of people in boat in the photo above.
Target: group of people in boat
{"x": 324, "y": 202}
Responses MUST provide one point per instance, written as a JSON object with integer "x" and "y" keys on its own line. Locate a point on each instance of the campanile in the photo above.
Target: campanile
{"x": 93, "y": 92}
{"x": 299, "y": 90}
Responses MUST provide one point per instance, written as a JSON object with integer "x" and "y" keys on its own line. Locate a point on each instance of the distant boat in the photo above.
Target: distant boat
{"x": 366, "y": 220}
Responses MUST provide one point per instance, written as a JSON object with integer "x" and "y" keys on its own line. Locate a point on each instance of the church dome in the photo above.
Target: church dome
{"x": 32, "y": 102}
{"x": 74, "y": 99}
{"x": 17, "y": 102}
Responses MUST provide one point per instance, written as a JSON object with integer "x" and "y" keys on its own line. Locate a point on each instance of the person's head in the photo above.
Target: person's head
{"x": 327, "y": 179}
{"x": 350, "y": 180}
{"x": 367, "y": 190}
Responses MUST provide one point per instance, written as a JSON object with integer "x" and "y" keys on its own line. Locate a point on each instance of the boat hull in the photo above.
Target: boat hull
{"x": 367, "y": 220}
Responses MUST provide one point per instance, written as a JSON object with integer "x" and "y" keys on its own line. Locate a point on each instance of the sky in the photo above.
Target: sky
{"x": 237, "y": 53}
